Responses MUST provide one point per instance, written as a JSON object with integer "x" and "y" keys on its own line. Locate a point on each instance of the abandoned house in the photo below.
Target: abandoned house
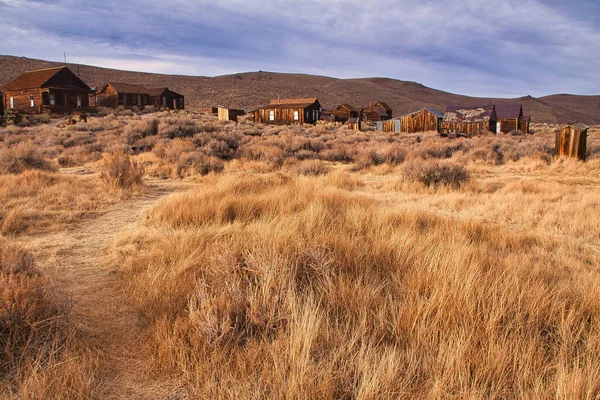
{"x": 510, "y": 118}
{"x": 571, "y": 141}
{"x": 342, "y": 113}
{"x": 354, "y": 124}
{"x": 115, "y": 94}
{"x": 229, "y": 113}
{"x": 164, "y": 97}
{"x": 469, "y": 121}
{"x": 423, "y": 120}
{"x": 289, "y": 111}
{"x": 379, "y": 111}
{"x": 51, "y": 90}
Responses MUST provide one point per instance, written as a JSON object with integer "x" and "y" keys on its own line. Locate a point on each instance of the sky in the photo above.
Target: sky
{"x": 503, "y": 48}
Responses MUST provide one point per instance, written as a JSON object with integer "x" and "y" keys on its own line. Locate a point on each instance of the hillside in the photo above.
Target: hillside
{"x": 252, "y": 89}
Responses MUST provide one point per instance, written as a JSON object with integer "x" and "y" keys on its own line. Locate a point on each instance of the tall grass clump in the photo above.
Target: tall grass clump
{"x": 433, "y": 173}
{"x": 21, "y": 157}
{"x": 281, "y": 286}
{"x": 121, "y": 173}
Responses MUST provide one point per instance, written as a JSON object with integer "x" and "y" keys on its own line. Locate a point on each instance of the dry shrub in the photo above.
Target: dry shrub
{"x": 38, "y": 357}
{"x": 120, "y": 172}
{"x": 197, "y": 163}
{"x": 140, "y": 129}
{"x": 436, "y": 173}
{"x": 282, "y": 287}
{"x": 312, "y": 168}
{"x": 21, "y": 157}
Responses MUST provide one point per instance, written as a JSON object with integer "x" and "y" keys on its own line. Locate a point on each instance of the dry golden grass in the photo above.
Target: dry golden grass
{"x": 294, "y": 287}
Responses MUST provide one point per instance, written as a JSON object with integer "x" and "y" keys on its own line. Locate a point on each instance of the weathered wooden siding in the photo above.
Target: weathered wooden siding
{"x": 107, "y": 98}
{"x": 524, "y": 126}
{"x": 22, "y": 100}
{"x": 468, "y": 128}
{"x": 308, "y": 115}
{"x": 421, "y": 121}
{"x": 226, "y": 114}
{"x": 571, "y": 142}
{"x": 508, "y": 125}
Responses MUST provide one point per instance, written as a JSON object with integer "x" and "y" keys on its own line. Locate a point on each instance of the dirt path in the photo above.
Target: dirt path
{"x": 76, "y": 258}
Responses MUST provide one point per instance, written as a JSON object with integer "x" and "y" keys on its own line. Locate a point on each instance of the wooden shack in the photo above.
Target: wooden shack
{"x": 115, "y": 94}
{"x": 52, "y": 90}
{"x": 289, "y": 111}
{"x": 379, "y": 111}
{"x": 166, "y": 98}
{"x": 510, "y": 118}
{"x": 353, "y": 124}
{"x": 342, "y": 113}
{"x": 426, "y": 119}
{"x": 228, "y": 113}
{"x": 1, "y": 105}
{"x": 469, "y": 121}
{"x": 571, "y": 141}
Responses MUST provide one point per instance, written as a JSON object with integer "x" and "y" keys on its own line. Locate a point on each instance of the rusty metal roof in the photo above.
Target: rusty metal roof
{"x": 129, "y": 89}
{"x": 431, "y": 110}
{"x": 353, "y": 120}
{"x": 33, "y": 79}
{"x": 307, "y": 101}
{"x": 469, "y": 114}
{"x": 509, "y": 110}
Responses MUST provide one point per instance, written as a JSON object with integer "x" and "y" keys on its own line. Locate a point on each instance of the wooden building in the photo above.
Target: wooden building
{"x": 354, "y": 124}
{"x": 115, "y": 94}
{"x": 379, "y": 111}
{"x": 423, "y": 120}
{"x": 164, "y": 97}
{"x": 469, "y": 121}
{"x": 342, "y": 113}
{"x": 510, "y": 118}
{"x": 229, "y": 114}
{"x": 289, "y": 111}
{"x": 1, "y": 105}
{"x": 52, "y": 90}
{"x": 571, "y": 141}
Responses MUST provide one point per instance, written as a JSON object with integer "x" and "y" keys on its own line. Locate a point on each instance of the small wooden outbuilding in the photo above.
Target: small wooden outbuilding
{"x": 510, "y": 118}
{"x": 426, "y": 119}
{"x": 571, "y": 141}
{"x": 354, "y": 124}
{"x": 379, "y": 111}
{"x": 115, "y": 94}
{"x": 342, "y": 113}
{"x": 289, "y": 111}
{"x": 469, "y": 121}
{"x": 229, "y": 114}
{"x": 54, "y": 90}
{"x": 164, "y": 97}
{"x": 1, "y": 105}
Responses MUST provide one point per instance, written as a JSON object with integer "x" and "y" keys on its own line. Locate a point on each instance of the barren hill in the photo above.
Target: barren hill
{"x": 252, "y": 89}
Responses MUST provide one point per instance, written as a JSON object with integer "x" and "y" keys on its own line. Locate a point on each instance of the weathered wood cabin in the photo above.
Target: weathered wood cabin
{"x": 164, "y": 97}
{"x": 289, "y": 111}
{"x": 469, "y": 121}
{"x": 229, "y": 114}
{"x": 423, "y": 120}
{"x": 379, "y": 111}
{"x": 571, "y": 141}
{"x": 115, "y": 94}
{"x": 354, "y": 124}
{"x": 1, "y": 105}
{"x": 342, "y": 113}
{"x": 510, "y": 118}
{"x": 52, "y": 90}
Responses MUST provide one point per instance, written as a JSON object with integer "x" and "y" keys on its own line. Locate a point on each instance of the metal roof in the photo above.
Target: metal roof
{"x": 578, "y": 125}
{"x": 431, "y": 110}
{"x": 307, "y": 101}
{"x": 468, "y": 114}
{"x": 35, "y": 79}
{"x": 509, "y": 110}
{"x": 129, "y": 89}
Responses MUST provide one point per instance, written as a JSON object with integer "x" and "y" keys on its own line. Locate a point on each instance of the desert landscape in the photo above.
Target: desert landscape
{"x": 169, "y": 255}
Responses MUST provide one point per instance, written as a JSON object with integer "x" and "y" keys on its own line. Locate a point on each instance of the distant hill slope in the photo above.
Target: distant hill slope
{"x": 253, "y": 89}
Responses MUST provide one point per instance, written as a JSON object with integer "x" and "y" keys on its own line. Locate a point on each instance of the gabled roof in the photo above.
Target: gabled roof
{"x": 509, "y": 110}
{"x": 578, "y": 125}
{"x": 291, "y": 103}
{"x": 159, "y": 92}
{"x": 353, "y": 120}
{"x": 525, "y": 118}
{"x": 469, "y": 114}
{"x": 384, "y": 105}
{"x": 306, "y": 100}
{"x": 348, "y": 107}
{"x": 127, "y": 88}
{"x": 34, "y": 79}
{"x": 431, "y": 110}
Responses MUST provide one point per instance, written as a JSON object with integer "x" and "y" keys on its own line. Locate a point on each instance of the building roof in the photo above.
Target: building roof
{"x": 127, "y": 88}
{"x": 578, "y": 125}
{"x": 32, "y": 79}
{"x": 525, "y": 118}
{"x": 159, "y": 91}
{"x": 468, "y": 114}
{"x": 353, "y": 120}
{"x": 291, "y": 103}
{"x": 431, "y": 110}
{"x": 509, "y": 110}
{"x": 348, "y": 107}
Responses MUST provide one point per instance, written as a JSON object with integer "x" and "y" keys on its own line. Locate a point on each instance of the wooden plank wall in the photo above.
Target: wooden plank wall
{"x": 22, "y": 102}
{"x": 508, "y": 125}
{"x": 466, "y": 128}
{"x": 571, "y": 142}
{"x": 109, "y": 98}
{"x": 422, "y": 121}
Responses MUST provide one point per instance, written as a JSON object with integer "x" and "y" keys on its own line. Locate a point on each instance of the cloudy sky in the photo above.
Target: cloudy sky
{"x": 476, "y": 47}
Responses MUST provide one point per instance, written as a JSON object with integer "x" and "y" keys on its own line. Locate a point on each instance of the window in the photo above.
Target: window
{"x": 52, "y": 99}
{"x": 296, "y": 116}
{"x": 272, "y": 115}
{"x": 31, "y": 101}
{"x": 164, "y": 99}
{"x": 12, "y": 102}
{"x": 78, "y": 101}
{"x": 96, "y": 100}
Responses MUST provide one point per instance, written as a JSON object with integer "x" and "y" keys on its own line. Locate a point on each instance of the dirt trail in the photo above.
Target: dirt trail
{"x": 76, "y": 258}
